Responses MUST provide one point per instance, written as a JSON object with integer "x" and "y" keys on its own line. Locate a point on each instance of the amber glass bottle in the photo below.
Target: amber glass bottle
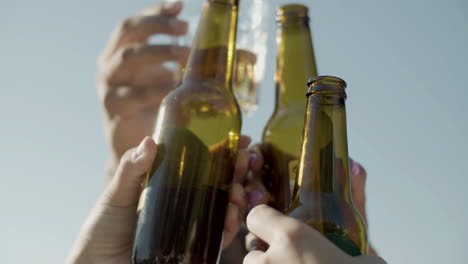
{"x": 183, "y": 205}
{"x": 282, "y": 134}
{"x": 322, "y": 193}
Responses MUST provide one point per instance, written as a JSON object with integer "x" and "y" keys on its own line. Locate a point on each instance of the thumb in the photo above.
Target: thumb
{"x": 125, "y": 188}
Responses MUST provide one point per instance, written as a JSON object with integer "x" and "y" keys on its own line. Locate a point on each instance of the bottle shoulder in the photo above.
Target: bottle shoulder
{"x": 285, "y": 127}
{"x": 208, "y": 113}
{"x": 288, "y": 116}
{"x": 202, "y": 98}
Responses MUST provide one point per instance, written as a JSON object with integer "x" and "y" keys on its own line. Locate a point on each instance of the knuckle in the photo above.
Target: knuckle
{"x": 108, "y": 100}
{"x": 127, "y": 53}
{"x": 126, "y": 24}
{"x": 242, "y": 162}
{"x": 241, "y": 165}
{"x": 254, "y": 212}
{"x": 127, "y": 159}
{"x": 240, "y": 170}
{"x": 291, "y": 231}
{"x": 257, "y": 209}
{"x": 238, "y": 196}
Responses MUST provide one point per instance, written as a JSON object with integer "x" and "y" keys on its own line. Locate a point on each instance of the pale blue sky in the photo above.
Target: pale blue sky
{"x": 406, "y": 65}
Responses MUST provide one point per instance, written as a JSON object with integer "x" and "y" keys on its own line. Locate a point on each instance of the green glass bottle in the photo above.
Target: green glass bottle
{"x": 322, "y": 192}
{"x": 282, "y": 134}
{"x": 184, "y": 201}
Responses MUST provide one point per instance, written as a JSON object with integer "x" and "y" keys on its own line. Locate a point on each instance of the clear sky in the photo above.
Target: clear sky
{"x": 406, "y": 65}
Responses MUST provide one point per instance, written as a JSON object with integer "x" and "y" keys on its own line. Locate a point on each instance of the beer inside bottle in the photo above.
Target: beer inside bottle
{"x": 282, "y": 134}
{"x": 244, "y": 83}
{"x": 323, "y": 195}
{"x": 183, "y": 204}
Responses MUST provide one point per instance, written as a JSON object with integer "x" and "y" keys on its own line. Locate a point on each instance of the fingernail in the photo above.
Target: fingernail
{"x": 252, "y": 160}
{"x": 354, "y": 168}
{"x": 245, "y": 141}
{"x": 176, "y": 23}
{"x": 255, "y": 197}
{"x": 141, "y": 147}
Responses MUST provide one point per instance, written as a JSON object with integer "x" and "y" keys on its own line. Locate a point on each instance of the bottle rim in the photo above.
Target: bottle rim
{"x": 326, "y": 83}
{"x": 292, "y": 11}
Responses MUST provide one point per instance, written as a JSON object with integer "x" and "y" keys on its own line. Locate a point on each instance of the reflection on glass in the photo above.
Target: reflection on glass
{"x": 251, "y": 43}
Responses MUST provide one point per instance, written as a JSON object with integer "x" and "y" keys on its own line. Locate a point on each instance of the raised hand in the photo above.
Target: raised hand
{"x": 133, "y": 78}
{"x": 291, "y": 241}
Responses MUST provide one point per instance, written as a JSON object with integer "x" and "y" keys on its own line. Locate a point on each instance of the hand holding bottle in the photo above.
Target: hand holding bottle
{"x": 108, "y": 232}
{"x": 292, "y": 241}
{"x": 358, "y": 177}
{"x": 132, "y": 78}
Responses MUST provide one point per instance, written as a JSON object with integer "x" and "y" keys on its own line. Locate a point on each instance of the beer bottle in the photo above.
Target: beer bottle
{"x": 281, "y": 136}
{"x": 183, "y": 205}
{"x": 322, "y": 193}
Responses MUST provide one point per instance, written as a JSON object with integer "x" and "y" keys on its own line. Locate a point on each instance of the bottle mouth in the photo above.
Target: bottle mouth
{"x": 291, "y": 11}
{"x": 326, "y": 85}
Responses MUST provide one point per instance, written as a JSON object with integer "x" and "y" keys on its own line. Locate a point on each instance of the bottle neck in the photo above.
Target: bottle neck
{"x": 324, "y": 165}
{"x": 212, "y": 54}
{"x": 295, "y": 62}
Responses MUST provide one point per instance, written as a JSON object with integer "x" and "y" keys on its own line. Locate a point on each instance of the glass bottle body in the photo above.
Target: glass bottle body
{"x": 322, "y": 197}
{"x": 186, "y": 193}
{"x": 282, "y": 134}
{"x": 183, "y": 205}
